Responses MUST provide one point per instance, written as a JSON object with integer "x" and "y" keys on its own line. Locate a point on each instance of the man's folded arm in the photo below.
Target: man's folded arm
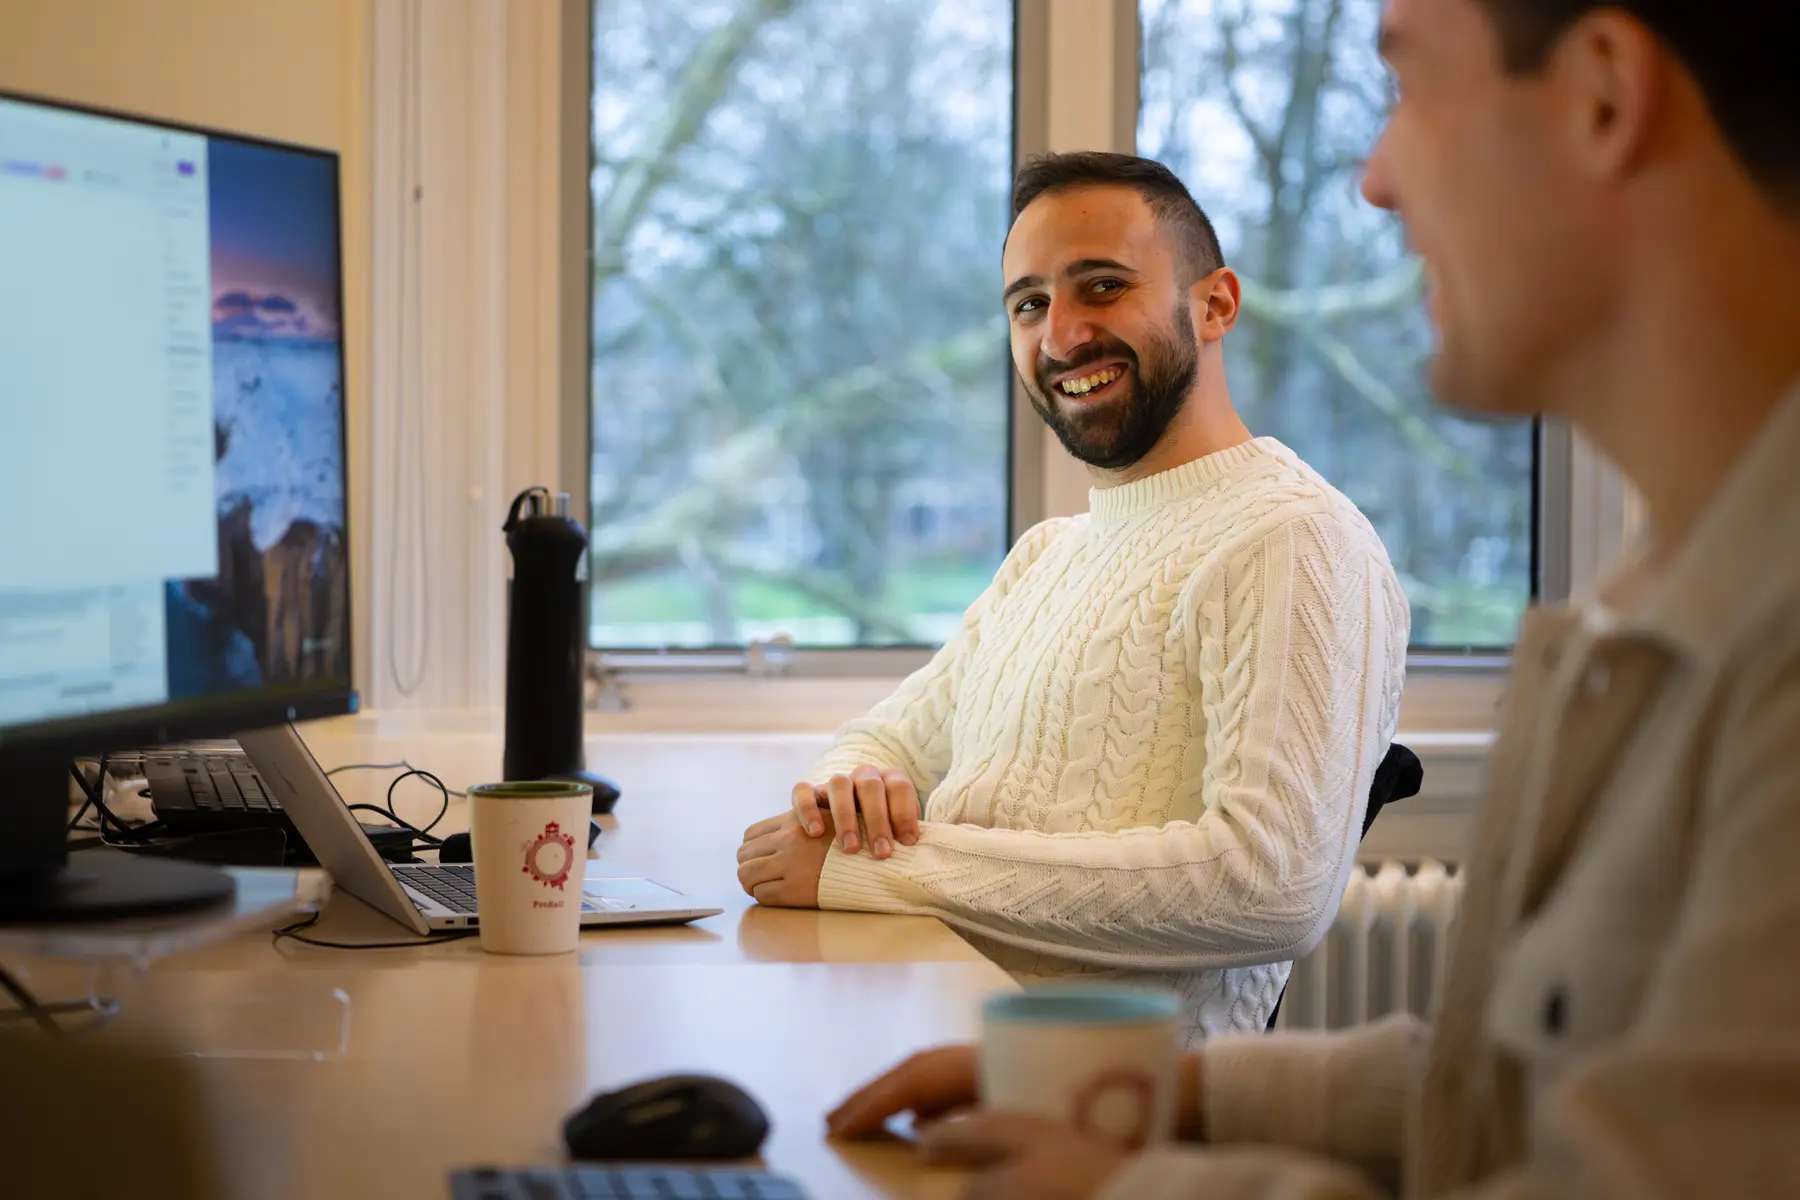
{"x": 1294, "y": 645}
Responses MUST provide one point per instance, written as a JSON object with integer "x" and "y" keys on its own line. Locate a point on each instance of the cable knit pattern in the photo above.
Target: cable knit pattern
{"x": 1147, "y": 751}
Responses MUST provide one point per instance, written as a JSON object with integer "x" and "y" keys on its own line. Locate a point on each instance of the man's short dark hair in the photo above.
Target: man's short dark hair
{"x": 1196, "y": 245}
{"x": 1742, "y": 55}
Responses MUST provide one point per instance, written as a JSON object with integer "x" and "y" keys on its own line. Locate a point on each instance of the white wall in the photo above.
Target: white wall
{"x": 291, "y": 70}
{"x": 472, "y": 258}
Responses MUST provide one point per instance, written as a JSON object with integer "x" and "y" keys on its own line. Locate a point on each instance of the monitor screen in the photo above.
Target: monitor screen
{"x": 173, "y": 547}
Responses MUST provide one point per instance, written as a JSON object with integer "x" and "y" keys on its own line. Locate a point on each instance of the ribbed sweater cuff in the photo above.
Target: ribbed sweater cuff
{"x": 1341, "y": 1095}
{"x": 863, "y": 883}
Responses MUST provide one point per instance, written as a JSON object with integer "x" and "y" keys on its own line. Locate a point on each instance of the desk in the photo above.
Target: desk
{"x": 456, "y": 1057}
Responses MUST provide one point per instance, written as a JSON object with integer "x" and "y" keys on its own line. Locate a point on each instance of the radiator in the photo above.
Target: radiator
{"x": 1387, "y": 951}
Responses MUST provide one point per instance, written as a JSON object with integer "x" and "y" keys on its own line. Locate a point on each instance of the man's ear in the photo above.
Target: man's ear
{"x": 1214, "y": 303}
{"x": 1614, "y": 74}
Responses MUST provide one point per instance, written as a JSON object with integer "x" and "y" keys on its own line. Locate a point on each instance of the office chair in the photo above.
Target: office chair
{"x": 1400, "y": 775}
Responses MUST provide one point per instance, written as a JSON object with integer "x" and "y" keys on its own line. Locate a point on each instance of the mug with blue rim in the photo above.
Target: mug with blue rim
{"x": 1103, "y": 1058}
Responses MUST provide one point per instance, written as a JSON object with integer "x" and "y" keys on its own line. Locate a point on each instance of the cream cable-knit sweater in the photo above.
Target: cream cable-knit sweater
{"x": 1147, "y": 751}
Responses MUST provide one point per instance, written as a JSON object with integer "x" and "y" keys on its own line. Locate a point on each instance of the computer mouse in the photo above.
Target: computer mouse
{"x": 456, "y": 847}
{"x": 675, "y": 1117}
{"x": 606, "y": 792}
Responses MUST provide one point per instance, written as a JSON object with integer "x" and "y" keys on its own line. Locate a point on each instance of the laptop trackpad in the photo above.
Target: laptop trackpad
{"x": 628, "y": 895}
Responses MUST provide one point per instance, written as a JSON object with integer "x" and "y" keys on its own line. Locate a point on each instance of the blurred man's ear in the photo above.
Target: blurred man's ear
{"x": 1616, "y": 77}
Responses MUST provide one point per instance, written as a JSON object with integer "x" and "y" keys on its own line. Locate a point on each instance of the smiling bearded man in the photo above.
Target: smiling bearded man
{"x": 1147, "y": 751}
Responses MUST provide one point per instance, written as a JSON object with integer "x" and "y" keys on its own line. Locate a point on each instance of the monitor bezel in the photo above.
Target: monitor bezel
{"x": 225, "y": 714}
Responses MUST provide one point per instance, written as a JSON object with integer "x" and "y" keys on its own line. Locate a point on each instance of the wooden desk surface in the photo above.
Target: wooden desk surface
{"x": 459, "y": 1057}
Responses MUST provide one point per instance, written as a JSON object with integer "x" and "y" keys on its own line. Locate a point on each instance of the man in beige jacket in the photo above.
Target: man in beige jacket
{"x": 1607, "y": 199}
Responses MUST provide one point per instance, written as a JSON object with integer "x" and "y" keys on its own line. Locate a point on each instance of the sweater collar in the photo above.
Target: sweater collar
{"x": 1112, "y": 506}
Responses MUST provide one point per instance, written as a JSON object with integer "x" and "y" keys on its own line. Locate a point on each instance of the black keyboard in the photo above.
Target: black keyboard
{"x": 195, "y": 792}
{"x": 620, "y": 1183}
{"x": 210, "y": 791}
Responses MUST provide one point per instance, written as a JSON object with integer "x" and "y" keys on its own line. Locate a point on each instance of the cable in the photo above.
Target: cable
{"x": 293, "y": 932}
{"x": 393, "y": 766}
{"x": 133, "y": 836}
{"x": 424, "y": 835}
{"x": 81, "y": 781}
{"x": 101, "y": 1011}
{"x": 28, "y": 1004}
{"x": 429, "y": 778}
{"x": 87, "y": 801}
{"x": 431, "y": 843}
{"x": 410, "y": 771}
{"x": 87, "y": 795}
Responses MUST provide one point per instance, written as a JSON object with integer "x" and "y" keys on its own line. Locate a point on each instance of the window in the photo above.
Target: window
{"x": 801, "y": 389}
{"x": 1266, "y": 109}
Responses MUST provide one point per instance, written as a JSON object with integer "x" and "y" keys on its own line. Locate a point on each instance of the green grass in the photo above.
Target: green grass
{"x": 1456, "y": 614}
{"x": 672, "y": 596}
{"x": 1459, "y": 614}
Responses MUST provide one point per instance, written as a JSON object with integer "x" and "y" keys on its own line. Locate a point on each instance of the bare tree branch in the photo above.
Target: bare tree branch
{"x": 1267, "y": 148}
{"x": 1342, "y": 359}
{"x": 723, "y": 485}
{"x": 703, "y": 80}
{"x": 1305, "y": 312}
{"x": 1398, "y": 287}
{"x": 1318, "y": 76}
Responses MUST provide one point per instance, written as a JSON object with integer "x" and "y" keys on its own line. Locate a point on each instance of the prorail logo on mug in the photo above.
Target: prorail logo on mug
{"x": 547, "y": 903}
{"x": 548, "y": 857}
{"x": 1120, "y": 1102}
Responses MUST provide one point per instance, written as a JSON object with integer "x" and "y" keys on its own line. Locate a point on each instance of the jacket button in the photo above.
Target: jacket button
{"x": 1555, "y": 1012}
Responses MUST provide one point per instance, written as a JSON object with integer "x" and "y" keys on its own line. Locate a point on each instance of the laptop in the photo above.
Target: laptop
{"x": 426, "y": 897}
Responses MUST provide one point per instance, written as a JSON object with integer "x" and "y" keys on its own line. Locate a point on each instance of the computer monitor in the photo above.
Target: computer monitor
{"x": 174, "y": 559}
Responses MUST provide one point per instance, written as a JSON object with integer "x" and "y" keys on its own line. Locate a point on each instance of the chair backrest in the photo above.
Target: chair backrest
{"x": 1399, "y": 776}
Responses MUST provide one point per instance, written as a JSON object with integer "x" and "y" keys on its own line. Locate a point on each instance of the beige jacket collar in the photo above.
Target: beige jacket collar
{"x": 1741, "y": 559}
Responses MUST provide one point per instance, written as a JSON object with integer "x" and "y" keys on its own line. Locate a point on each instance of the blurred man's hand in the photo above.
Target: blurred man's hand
{"x": 1024, "y": 1157}
{"x": 929, "y": 1084}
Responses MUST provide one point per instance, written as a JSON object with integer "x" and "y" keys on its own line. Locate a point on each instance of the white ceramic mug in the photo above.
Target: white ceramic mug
{"x": 1100, "y": 1058}
{"x": 530, "y": 848}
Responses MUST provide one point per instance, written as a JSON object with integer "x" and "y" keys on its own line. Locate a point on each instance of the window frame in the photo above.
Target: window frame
{"x": 1583, "y": 513}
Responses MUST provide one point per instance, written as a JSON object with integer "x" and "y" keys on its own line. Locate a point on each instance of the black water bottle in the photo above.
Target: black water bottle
{"x": 544, "y": 645}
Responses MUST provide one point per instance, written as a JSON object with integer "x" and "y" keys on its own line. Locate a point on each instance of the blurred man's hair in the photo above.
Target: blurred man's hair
{"x": 1743, "y": 55}
{"x": 1196, "y": 245}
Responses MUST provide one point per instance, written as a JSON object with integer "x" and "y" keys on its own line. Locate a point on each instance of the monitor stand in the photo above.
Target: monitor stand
{"x": 41, "y": 883}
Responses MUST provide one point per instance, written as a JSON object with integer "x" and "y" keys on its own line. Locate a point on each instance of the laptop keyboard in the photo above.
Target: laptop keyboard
{"x": 453, "y": 886}
{"x": 450, "y": 884}
{"x": 620, "y": 1183}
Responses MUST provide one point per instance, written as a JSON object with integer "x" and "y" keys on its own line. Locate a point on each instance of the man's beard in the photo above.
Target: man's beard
{"x": 1122, "y": 431}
